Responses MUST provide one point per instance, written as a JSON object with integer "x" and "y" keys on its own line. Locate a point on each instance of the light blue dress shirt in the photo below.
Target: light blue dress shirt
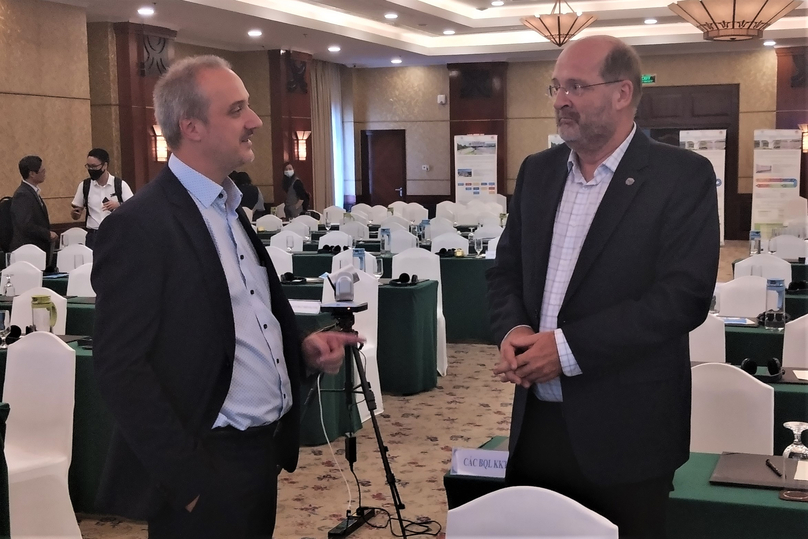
{"x": 260, "y": 391}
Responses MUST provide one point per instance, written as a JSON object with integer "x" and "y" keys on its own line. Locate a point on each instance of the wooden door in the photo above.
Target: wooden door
{"x": 384, "y": 166}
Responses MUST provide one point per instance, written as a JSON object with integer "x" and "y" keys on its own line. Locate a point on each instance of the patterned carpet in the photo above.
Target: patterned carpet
{"x": 467, "y": 408}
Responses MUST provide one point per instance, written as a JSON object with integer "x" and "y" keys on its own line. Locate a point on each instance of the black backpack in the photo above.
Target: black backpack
{"x": 86, "y": 188}
{"x": 6, "y": 224}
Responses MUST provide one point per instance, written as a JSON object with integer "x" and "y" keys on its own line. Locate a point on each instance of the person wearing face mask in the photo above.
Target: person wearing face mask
{"x": 297, "y": 199}
{"x": 99, "y": 194}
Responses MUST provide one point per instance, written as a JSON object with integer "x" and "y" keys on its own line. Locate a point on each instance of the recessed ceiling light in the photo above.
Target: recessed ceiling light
{"x": 255, "y": 33}
{"x": 448, "y": 32}
{"x": 497, "y": 3}
{"x": 395, "y": 61}
{"x": 391, "y": 16}
{"x": 146, "y": 11}
{"x": 770, "y": 43}
{"x": 650, "y": 21}
{"x": 334, "y": 48}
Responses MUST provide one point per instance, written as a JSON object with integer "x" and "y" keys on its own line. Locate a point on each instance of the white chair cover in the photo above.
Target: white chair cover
{"x": 487, "y": 217}
{"x": 529, "y": 513}
{"x": 29, "y": 253}
{"x": 280, "y": 210}
{"x": 364, "y": 208}
{"x": 281, "y": 259}
{"x": 378, "y": 213}
{"x": 490, "y": 221}
{"x": 21, "y": 308}
{"x": 795, "y": 343}
{"x": 333, "y": 214}
{"x": 78, "y": 282}
{"x": 744, "y": 296}
{"x": 39, "y": 386}
{"x": 764, "y": 265}
{"x": 466, "y": 217}
{"x": 366, "y": 324}
{"x": 72, "y": 236}
{"x": 488, "y": 232}
{"x": 415, "y": 213}
{"x": 356, "y": 230}
{"x": 491, "y": 251}
{"x": 358, "y": 216}
{"x": 451, "y": 240}
{"x": 475, "y": 204}
{"x": 788, "y": 247}
{"x": 279, "y": 240}
{"x": 398, "y": 207}
{"x": 502, "y": 201}
{"x": 494, "y": 207}
{"x": 440, "y": 225}
{"x": 426, "y": 265}
{"x": 405, "y": 224}
{"x": 24, "y": 276}
{"x": 269, "y": 222}
{"x": 248, "y": 212}
{"x": 335, "y": 237}
{"x": 395, "y": 226}
{"x": 343, "y": 259}
{"x": 731, "y": 411}
{"x": 300, "y": 228}
{"x": 707, "y": 342}
{"x": 73, "y": 256}
{"x": 401, "y": 240}
{"x": 309, "y": 221}
{"x": 445, "y": 209}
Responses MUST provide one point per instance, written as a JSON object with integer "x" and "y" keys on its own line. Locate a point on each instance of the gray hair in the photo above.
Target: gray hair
{"x": 177, "y": 95}
{"x": 623, "y": 63}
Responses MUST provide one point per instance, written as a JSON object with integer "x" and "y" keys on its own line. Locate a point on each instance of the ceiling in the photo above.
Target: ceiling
{"x": 367, "y": 39}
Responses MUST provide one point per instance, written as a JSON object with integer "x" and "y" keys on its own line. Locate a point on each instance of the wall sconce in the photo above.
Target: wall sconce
{"x": 159, "y": 145}
{"x": 804, "y": 129}
{"x": 301, "y": 145}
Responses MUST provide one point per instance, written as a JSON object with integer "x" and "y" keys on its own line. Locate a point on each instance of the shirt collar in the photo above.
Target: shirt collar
{"x": 110, "y": 181}
{"x": 610, "y": 163}
{"x": 34, "y": 187}
{"x": 205, "y": 190}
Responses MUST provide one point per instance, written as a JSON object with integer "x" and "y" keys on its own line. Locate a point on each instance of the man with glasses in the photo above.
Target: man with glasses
{"x": 608, "y": 260}
{"x": 99, "y": 194}
{"x": 29, "y": 215}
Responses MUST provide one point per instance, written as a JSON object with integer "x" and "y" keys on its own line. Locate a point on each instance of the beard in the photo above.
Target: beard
{"x": 589, "y": 133}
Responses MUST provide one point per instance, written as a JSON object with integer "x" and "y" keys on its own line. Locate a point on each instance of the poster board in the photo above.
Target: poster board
{"x": 712, "y": 144}
{"x": 475, "y": 168}
{"x": 775, "y": 177}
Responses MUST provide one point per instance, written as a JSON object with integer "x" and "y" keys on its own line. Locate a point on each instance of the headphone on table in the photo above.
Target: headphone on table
{"x": 405, "y": 280}
{"x": 289, "y": 278}
{"x": 773, "y": 365}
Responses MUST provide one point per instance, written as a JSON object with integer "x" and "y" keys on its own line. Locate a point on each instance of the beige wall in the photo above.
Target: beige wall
{"x": 406, "y": 98}
{"x": 44, "y": 97}
{"x": 104, "y": 112}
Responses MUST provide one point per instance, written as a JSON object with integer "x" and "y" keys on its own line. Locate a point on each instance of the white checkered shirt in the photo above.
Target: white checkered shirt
{"x": 574, "y": 216}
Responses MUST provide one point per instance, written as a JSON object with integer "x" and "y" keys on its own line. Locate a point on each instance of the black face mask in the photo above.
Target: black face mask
{"x": 96, "y": 173}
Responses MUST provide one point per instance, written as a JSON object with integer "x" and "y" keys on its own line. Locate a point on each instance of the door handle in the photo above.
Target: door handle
{"x": 400, "y": 191}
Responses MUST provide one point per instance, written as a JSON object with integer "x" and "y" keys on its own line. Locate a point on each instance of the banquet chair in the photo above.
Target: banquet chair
{"x": 488, "y": 232}
{"x": 366, "y": 323}
{"x": 527, "y": 513}
{"x": 300, "y": 228}
{"x": 744, "y": 296}
{"x": 440, "y": 225}
{"x": 446, "y": 210}
{"x": 73, "y": 256}
{"x": 378, "y": 213}
{"x": 490, "y": 221}
{"x": 450, "y": 240}
{"x": 487, "y": 218}
{"x": 357, "y": 216}
{"x": 491, "y": 250}
{"x": 795, "y": 343}
{"x": 269, "y": 222}
{"x": 502, "y": 202}
{"x": 279, "y": 240}
{"x": 309, "y": 221}
{"x": 426, "y": 265}
{"x": 281, "y": 259}
{"x": 397, "y": 220}
{"x": 764, "y": 265}
{"x": 415, "y": 213}
{"x": 78, "y": 282}
{"x": 476, "y": 204}
{"x": 345, "y": 258}
{"x": 280, "y": 210}
{"x": 30, "y": 253}
{"x": 72, "y": 236}
{"x": 466, "y": 217}
{"x": 398, "y": 207}
{"x": 401, "y": 240}
{"x": 708, "y": 342}
{"x": 248, "y": 212}
{"x": 731, "y": 411}
{"x": 333, "y": 214}
{"x": 788, "y": 247}
{"x": 335, "y": 237}
{"x": 24, "y": 276}
{"x": 364, "y": 208}
{"x": 39, "y": 387}
{"x": 356, "y": 230}
{"x": 21, "y": 309}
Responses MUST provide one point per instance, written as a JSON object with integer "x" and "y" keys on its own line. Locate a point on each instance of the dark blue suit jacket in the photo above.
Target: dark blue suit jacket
{"x": 643, "y": 280}
{"x": 164, "y": 347}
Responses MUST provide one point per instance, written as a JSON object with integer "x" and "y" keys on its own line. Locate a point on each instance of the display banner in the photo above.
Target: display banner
{"x": 475, "y": 168}
{"x": 775, "y": 179}
{"x": 712, "y": 144}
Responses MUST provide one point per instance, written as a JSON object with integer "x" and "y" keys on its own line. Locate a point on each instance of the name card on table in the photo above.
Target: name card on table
{"x": 802, "y": 375}
{"x": 305, "y": 306}
{"x": 479, "y": 462}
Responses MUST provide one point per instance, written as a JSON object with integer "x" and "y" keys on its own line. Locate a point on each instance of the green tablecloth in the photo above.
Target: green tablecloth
{"x": 57, "y": 284}
{"x": 697, "y": 509}
{"x": 796, "y": 305}
{"x": 407, "y": 339}
{"x": 757, "y": 343}
{"x": 80, "y": 316}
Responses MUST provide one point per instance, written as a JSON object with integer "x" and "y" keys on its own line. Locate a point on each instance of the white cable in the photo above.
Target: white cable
{"x": 325, "y": 433}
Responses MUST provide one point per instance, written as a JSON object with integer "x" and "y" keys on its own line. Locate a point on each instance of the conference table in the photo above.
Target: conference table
{"x": 697, "y": 509}
{"x": 93, "y": 424}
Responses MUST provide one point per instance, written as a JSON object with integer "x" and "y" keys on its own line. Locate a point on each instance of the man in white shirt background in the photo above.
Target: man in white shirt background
{"x": 100, "y": 194}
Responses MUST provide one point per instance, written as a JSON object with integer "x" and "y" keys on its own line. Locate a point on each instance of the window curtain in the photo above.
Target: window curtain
{"x": 326, "y": 132}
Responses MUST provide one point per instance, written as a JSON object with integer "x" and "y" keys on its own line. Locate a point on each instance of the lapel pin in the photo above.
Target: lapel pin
{"x": 630, "y": 181}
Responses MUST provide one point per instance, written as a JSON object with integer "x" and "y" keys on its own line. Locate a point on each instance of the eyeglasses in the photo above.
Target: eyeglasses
{"x": 88, "y": 166}
{"x": 576, "y": 90}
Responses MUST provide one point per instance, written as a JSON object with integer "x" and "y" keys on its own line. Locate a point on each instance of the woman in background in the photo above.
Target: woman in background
{"x": 297, "y": 199}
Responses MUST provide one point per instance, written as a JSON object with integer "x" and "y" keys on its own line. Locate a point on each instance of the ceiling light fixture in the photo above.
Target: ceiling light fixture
{"x": 650, "y": 21}
{"x": 395, "y": 61}
{"x": 448, "y": 32}
{"x": 255, "y": 33}
{"x": 559, "y": 27}
{"x": 390, "y": 16}
{"x": 732, "y": 20}
{"x": 334, "y": 48}
{"x": 497, "y": 3}
{"x": 770, "y": 43}
{"x": 145, "y": 11}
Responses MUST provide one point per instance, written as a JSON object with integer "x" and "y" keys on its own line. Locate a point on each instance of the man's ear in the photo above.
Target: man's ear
{"x": 192, "y": 129}
{"x": 623, "y": 95}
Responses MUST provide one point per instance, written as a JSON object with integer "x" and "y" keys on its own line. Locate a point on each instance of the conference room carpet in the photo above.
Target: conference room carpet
{"x": 467, "y": 408}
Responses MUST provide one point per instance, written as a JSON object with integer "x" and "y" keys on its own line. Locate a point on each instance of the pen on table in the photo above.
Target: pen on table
{"x": 773, "y": 468}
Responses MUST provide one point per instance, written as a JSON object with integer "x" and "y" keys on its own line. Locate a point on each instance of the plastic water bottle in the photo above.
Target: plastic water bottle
{"x": 754, "y": 242}
{"x": 775, "y": 318}
{"x": 359, "y": 258}
{"x": 8, "y": 287}
{"x": 384, "y": 235}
